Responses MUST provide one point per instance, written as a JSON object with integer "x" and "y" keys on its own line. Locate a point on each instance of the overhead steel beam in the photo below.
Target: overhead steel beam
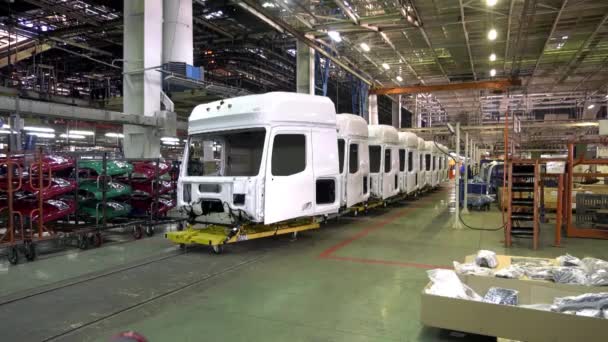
{"x": 553, "y": 27}
{"x": 23, "y": 53}
{"x": 42, "y": 37}
{"x": 497, "y": 84}
{"x": 257, "y": 11}
{"x": 466, "y": 38}
{"x": 63, "y": 10}
{"x": 583, "y": 46}
{"x": 348, "y": 11}
{"x": 212, "y": 27}
{"x": 50, "y": 109}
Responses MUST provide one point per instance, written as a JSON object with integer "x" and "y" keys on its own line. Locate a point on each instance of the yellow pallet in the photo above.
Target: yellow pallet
{"x": 217, "y": 236}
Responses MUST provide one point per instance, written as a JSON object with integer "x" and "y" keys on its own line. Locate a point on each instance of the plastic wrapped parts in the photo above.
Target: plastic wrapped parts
{"x": 498, "y": 295}
{"x": 472, "y": 269}
{"x": 594, "y": 301}
{"x": 570, "y": 275}
{"x": 569, "y": 260}
{"x": 486, "y": 258}
{"x": 447, "y": 284}
{"x": 511, "y": 272}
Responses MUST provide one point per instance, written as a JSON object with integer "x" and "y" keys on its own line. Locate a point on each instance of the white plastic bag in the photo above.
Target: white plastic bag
{"x": 570, "y": 275}
{"x": 472, "y": 269}
{"x": 447, "y": 284}
{"x": 486, "y": 258}
{"x": 569, "y": 260}
{"x": 511, "y": 272}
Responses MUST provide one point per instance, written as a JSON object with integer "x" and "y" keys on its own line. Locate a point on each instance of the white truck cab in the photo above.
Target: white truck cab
{"x": 431, "y": 163}
{"x": 262, "y": 158}
{"x": 409, "y": 143}
{"x": 384, "y": 161}
{"x": 353, "y": 155}
{"x": 422, "y": 180}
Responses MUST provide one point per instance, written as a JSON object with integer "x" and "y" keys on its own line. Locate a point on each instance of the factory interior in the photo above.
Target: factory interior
{"x": 304, "y": 170}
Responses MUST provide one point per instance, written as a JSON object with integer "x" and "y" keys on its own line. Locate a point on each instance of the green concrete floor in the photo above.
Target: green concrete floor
{"x": 356, "y": 280}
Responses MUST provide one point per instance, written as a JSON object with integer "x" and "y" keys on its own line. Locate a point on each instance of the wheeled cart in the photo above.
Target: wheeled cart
{"x": 217, "y": 236}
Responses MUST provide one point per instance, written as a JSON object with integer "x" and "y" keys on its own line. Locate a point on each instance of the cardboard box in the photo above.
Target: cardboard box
{"x": 513, "y": 322}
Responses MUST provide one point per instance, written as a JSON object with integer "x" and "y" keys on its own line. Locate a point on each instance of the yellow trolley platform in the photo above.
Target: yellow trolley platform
{"x": 217, "y": 236}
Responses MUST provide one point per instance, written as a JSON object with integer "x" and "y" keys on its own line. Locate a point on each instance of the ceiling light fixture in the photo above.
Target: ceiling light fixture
{"x": 491, "y": 3}
{"x": 114, "y": 135}
{"x": 38, "y": 129}
{"x": 77, "y": 132}
{"x": 386, "y": 66}
{"x": 42, "y": 135}
{"x": 492, "y": 57}
{"x": 169, "y": 139}
{"x": 399, "y": 78}
{"x": 335, "y": 36}
{"x": 364, "y": 47}
{"x": 492, "y": 34}
{"x": 72, "y": 136}
{"x": 493, "y": 72}
{"x": 591, "y": 106}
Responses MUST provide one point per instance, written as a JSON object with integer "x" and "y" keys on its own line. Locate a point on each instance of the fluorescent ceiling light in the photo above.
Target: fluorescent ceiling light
{"x": 5, "y": 126}
{"x": 42, "y": 135}
{"x": 114, "y": 135}
{"x": 564, "y": 37}
{"x": 72, "y": 136}
{"x": 492, "y": 57}
{"x": 38, "y": 129}
{"x": 399, "y": 78}
{"x": 492, "y": 34}
{"x": 173, "y": 143}
{"x": 491, "y": 2}
{"x": 493, "y": 72}
{"x": 591, "y": 106}
{"x": 4, "y": 131}
{"x": 386, "y": 66}
{"x": 169, "y": 139}
{"x": 77, "y": 132}
{"x": 364, "y": 47}
{"x": 335, "y": 36}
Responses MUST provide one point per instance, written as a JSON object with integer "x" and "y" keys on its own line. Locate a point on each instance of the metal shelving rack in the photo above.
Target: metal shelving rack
{"x": 523, "y": 213}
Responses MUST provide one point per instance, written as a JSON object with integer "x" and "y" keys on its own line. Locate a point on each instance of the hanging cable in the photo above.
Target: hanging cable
{"x": 458, "y": 199}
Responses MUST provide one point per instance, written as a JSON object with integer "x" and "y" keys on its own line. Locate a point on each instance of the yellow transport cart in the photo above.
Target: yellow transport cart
{"x": 217, "y": 236}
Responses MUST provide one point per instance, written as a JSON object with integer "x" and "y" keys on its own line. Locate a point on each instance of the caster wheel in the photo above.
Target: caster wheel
{"x": 138, "y": 232}
{"x": 96, "y": 240}
{"x": 13, "y": 255}
{"x": 83, "y": 242}
{"x": 150, "y": 230}
{"x": 182, "y": 246}
{"x": 180, "y": 226}
{"x": 29, "y": 250}
{"x": 218, "y": 249}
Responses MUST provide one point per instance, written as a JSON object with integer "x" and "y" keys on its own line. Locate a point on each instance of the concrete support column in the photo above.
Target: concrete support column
{"x": 456, "y": 224}
{"x": 142, "y": 48}
{"x": 467, "y": 163}
{"x": 177, "y": 31}
{"x": 305, "y": 69}
{"x": 372, "y": 113}
{"x": 395, "y": 110}
{"x": 399, "y": 114}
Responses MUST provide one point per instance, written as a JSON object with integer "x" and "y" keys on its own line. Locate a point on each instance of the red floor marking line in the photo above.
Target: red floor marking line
{"x": 326, "y": 253}
{"x": 388, "y": 262}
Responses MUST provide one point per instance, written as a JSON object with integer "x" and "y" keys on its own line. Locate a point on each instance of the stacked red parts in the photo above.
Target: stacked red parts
{"x": 147, "y": 184}
{"x": 28, "y": 192}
